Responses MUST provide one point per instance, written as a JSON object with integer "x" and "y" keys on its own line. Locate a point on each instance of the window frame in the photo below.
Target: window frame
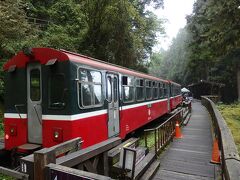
{"x": 160, "y": 88}
{"x": 79, "y": 87}
{"x": 139, "y": 86}
{"x": 133, "y": 86}
{"x": 149, "y": 87}
{"x": 33, "y": 88}
{"x": 165, "y": 91}
{"x": 155, "y": 88}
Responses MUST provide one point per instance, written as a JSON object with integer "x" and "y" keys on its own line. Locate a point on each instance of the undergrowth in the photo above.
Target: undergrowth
{"x": 150, "y": 140}
{"x": 4, "y": 177}
{"x": 231, "y": 114}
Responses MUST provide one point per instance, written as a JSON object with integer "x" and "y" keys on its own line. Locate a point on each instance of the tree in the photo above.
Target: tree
{"x": 172, "y": 64}
{"x": 214, "y": 26}
{"x": 119, "y": 32}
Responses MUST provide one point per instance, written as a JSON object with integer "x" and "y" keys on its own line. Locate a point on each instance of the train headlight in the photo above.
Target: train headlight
{"x": 13, "y": 130}
{"x": 57, "y": 134}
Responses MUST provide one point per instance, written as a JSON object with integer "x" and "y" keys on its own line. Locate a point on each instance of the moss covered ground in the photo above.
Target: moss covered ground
{"x": 231, "y": 114}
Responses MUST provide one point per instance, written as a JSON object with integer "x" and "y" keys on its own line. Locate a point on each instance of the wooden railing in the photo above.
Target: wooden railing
{"x": 164, "y": 133}
{"x": 230, "y": 160}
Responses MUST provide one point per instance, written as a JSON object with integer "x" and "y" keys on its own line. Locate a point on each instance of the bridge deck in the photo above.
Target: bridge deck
{"x": 189, "y": 157}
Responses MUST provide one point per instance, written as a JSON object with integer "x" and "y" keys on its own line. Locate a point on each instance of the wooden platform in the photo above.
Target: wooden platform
{"x": 189, "y": 157}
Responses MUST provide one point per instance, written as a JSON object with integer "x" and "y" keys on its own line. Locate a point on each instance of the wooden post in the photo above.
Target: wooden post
{"x": 105, "y": 163}
{"x": 41, "y": 159}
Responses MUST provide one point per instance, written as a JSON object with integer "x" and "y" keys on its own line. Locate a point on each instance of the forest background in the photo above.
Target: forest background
{"x": 124, "y": 32}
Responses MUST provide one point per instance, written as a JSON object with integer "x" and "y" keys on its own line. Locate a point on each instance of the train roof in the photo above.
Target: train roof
{"x": 174, "y": 83}
{"x": 44, "y": 55}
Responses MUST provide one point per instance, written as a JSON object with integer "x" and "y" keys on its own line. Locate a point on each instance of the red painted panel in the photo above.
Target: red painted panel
{"x": 133, "y": 118}
{"x": 92, "y": 130}
{"x": 48, "y": 128}
{"x": 175, "y": 101}
{"x": 21, "y": 132}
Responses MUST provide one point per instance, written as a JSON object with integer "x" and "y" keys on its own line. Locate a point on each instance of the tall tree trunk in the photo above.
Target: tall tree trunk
{"x": 238, "y": 81}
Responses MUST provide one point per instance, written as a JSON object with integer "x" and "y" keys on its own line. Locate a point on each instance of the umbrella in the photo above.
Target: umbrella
{"x": 184, "y": 90}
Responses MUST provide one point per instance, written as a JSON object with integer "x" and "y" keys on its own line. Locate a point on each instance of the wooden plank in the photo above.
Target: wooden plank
{"x": 114, "y": 154}
{"x": 143, "y": 165}
{"x": 192, "y": 168}
{"x": 105, "y": 164}
{"x": 189, "y": 157}
{"x": 41, "y": 159}
{"x": 66, "y": 173}
{"x": 48, "y": 155}
{"x": 151, "y": 171}
{"x": 230, "y": 157}
{"x": 12, "y": 173}
{"x": 172, "y": 175}
{"x": 27, "y": 166}
{"x": 78, "y": 157}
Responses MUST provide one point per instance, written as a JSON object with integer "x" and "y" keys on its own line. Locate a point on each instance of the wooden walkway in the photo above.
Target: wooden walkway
{"x": 189, "y": 158}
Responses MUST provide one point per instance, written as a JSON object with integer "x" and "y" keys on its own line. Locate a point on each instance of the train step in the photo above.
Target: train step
{"x": 151, "y": 171}
{"x": 114, "y": 154}
{"x": 29, "y": 147}
{"x": 142, "y": 166}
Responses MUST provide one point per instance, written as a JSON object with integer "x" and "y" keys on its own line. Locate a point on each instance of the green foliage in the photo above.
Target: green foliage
{"x": 121, "y": 32}
{"x": 172, "y": 64}
{"x": 208, "y": 47}
{"x": 214, "y": 47}
{"x": 4, "y": 177}
{"x": 231, "y": 114}
{"x": 150, "y": 140}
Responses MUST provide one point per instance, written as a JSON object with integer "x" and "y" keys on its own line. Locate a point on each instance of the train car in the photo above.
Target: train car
{"x": 56, "y": 95}
{"x": 175, "y": 95}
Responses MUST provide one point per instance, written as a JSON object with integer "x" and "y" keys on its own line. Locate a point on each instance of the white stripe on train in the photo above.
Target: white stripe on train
{"x": 82, "y": 115}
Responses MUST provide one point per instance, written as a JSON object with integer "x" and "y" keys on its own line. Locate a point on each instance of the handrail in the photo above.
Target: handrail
{"x": 163, "y": 133}
{"x": 169, "y": 119}
{"x": 230, "y": 159}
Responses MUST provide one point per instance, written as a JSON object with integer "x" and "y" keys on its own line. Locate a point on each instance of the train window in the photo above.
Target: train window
{"x": 166, "y": 90}
{"x": 109, "y": 89}
{"x": 57, "y": 91}
{"x": 115, "y": 89}
{"x": 164, "y": 87}
{"x": 140, "y": 89}
{"x": 148, "y": 90}
{"x": 128, "y": 88}
{"x": 90, "y": 88}
{"x": 35, "y": 89}
{"x": 86, "y": 95}
{"x": 155, "y": 90}
{"x": 160, "y": 90}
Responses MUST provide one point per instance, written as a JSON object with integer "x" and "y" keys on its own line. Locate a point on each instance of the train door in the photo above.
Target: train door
{"x": 34, "y": 101}
{"x": 113, "y": 104}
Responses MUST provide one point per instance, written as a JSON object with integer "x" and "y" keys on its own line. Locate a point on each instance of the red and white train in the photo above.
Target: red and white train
{"x": 55, "y": 95}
